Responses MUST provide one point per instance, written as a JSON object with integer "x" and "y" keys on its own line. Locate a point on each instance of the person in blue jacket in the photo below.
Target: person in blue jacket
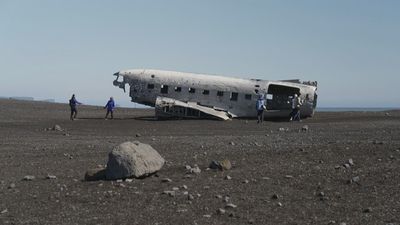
{"x": 260, "y": 107}
{"x": 72, "y": 104}
{"x": 110, "y": 107}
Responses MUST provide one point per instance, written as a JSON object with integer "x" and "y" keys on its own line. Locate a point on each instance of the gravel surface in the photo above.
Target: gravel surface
{"x": 334, "y": 168}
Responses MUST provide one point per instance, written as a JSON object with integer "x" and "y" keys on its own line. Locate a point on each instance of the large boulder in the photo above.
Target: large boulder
{"x": 133, "y": 159}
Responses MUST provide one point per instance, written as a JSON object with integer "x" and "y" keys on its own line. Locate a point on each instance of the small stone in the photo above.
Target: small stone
{"x": 185, "y": 193}
{"x": 28, "y": 178}
{"x": 355, "y": 180}
{"x": 4, "y": 211}
{"x": 245, "y": 181}
{"x": 219, "y": 196}
{"x": 232, "y": 143}
{"x": 138, "y": 135}
{"x": 347, "y": 166}
{"x": 337, "y": 167}
{"x": 129, "y": 180}
{"x": 190, "y": 197}
{"x": 51, "y": 177}
{"x": 304, "y": 128}
{"x": 195, "y": 170}
{"x": 187, "y": 167}
{"x": 198, "y": 195}
{"x": 184, "y": 187}
{"x": 227, "y": 177}
{"x": 57, "y": 128}
{"x": 227, "y": 199}
{"x": 230, "y": 205}
{"x": 175, "y": 189}
{"x": 281, "y": 129}
{"x": 169, "y": 193}
{"x": 289, "y": 176}
{"x": 350, "y": 161}
{"x": 279, "y": 204}
{"x": 207, "y": 216}
{"x": 275, "y": 196}
{"x": 221, "y": 211}
{"x": 206, "y": 187}
{"x": 250, "y": 221}
{"x": 367, "y": 210}
{"x": 11, "y": 186}
{"x": 166, "y": 180}
{"x": 321, "y": 194}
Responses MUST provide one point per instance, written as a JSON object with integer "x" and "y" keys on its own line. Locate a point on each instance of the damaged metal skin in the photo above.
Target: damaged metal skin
{"x": 190, "y": 95}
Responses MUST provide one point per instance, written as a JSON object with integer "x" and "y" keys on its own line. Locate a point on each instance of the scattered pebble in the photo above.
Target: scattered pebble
{"x": 175, "y": 189}
{"x": 289, "y": 176}
{"x": 304, "y": 128}
{"x": 279, "y": 204}
{"x": 4, "y": 211}
{"x": 28, "y": 178}
{"x": 367, "y": 210}
{"x": 230, "y": 205}
{"x": 207, "y": 216}
{"x": 51, "y": 177}
{"x": 351, "y": 162}
{"x": 11, "y": 186}
{"x": 275, "y": 196}
{"x": 227, "y": 177}
{"x": 245, "y": 181}
{"x": 221, "y": 211}
{"x": 184, "y": 187}
{"x": 169, "y": 193}
{"x": 166, "y": 180}
{"x": 190, "y": 197}
{"x": 138, "y": 135}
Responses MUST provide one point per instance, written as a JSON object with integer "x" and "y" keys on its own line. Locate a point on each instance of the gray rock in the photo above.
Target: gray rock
{"x": 190, "y": 197}
{"x": 133, "y": 159}
{"x": 57, "y": 128}
{"x": 355, "y": 180}
{"x": 169, "y": 193}
{"x": 4, "y": 211}
{"x": 50, "y": 177}
{"x": 230, "y": 205}
{"x": 367, "y": 210}
{"x": 28, "y": 178}
{"x": 195, "y": 170}
{"x": 138, "y": 135}
{"x": 351, "y": 162}
{"x": 221, "y": 211}
{"x": 304, "y": 128}
{"x": 227, "y": 177}
{"x": 166, "y": 180}
{"x": 11, "y": 186}
{"x": 275, "y": 196}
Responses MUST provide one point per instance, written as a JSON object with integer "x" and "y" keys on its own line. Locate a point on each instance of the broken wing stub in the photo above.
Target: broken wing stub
{"x": 172, "y": 108}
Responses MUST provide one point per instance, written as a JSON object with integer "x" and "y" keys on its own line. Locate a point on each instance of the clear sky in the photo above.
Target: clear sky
{"x": 53, "y": 48}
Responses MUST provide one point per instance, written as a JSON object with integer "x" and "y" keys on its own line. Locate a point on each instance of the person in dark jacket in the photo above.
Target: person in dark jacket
{"x": 72, "y": 104}
{"x": 110, "y": 107}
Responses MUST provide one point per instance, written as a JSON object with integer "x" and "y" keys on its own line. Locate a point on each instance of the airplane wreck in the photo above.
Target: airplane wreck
{"x": 191, "y": 95}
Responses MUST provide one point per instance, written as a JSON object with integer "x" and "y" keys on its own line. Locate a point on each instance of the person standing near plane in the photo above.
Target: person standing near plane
{"x": 296, "y": 103}
{"x": 260, "y": 107}
{"x": 110, "y": 107}
{"x": 72, "y": 104}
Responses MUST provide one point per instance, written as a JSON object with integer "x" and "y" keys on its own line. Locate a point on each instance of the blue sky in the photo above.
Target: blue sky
{"x": 51, "y": 49}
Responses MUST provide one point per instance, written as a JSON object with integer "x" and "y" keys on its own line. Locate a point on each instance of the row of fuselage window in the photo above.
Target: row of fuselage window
{"x": 233, "y": 95}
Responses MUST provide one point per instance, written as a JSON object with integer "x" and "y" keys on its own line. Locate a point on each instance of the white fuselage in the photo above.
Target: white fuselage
{"x": 235, "y": 95}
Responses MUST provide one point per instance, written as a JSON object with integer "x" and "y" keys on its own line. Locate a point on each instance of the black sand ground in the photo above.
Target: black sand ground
{"x": 304, "y": 169}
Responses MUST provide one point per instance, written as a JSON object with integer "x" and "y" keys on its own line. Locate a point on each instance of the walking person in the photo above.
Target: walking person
{"x": 110, "y": 107}
{"x": 260, "y": 107}
{"x": 72, "y": 104}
